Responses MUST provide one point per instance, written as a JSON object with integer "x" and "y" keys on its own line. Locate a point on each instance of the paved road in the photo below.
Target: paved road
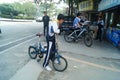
{"x": 14, "y": 42}
{"x": 12, "y": 31}
{"x": 99, "y": 62}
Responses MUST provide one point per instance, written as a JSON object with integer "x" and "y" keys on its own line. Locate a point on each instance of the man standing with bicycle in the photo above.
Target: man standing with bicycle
{"x": 51, "y": 41}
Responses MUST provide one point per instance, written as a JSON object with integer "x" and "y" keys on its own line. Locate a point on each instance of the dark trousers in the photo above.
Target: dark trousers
{"x": 50, "y": 55}
{"x": 100, "y": 34}
{"x": 45, "y": 29}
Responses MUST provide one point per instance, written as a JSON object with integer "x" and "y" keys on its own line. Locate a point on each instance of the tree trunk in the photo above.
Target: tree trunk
{"x": 70, "y": 7}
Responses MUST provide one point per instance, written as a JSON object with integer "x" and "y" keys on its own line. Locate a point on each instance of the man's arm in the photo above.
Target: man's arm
{"x": 48, "y": 18}
{"x": 43, "y": 18}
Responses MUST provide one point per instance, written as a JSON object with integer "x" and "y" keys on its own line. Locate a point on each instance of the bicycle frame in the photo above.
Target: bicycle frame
{"x": 41, "y": 48}
{"x": 80, "y": 32}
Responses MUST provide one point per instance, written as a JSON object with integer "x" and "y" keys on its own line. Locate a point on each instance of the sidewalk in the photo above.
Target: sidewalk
{"x": 15, "y": 20}
{"x": 30, "y": 71}
{"x": 102, "y": 49}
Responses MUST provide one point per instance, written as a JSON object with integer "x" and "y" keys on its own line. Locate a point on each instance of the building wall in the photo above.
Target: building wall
{"x": 88, "y": 9}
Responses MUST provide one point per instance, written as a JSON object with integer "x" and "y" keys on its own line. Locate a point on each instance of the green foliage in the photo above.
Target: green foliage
{"x": 6, "y": 9}
{"x": 28, "y": 8}
{"x": 13, "y": 10}
{"x": 24, "y": 17}
{"x": 5, "y": 16}
{"x": 47, "y": 7}
{"x": 51, "y": 9}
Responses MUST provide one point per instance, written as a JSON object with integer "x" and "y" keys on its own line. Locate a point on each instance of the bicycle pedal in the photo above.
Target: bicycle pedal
{"x": 41, "y": 56}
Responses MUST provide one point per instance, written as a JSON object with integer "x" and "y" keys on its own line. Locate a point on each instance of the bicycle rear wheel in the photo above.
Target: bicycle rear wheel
{"x": 60, "y": 64}
{"x": 32, "y": 52}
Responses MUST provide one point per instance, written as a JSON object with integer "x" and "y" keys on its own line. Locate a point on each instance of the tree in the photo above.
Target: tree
{"x": 14, "y": 9}
{"x": 29, "y": 9}
{"x": 6, "y": 9}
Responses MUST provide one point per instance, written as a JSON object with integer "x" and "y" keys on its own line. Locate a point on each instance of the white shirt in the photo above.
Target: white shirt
{"x": 53, "y": 28}
{"x": 101, "y": 22}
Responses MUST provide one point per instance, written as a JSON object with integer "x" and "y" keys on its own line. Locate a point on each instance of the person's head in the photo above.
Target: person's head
{"x": 79, "y": 15}
{"x": 60, "y": 18}
{"x": 45, "y": 13}
{"x": 100, "y": 18}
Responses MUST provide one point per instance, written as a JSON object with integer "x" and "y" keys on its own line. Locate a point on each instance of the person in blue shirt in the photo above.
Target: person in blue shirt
{"x": 77, "y": 20}
{"x": 51, "y": 41}
{"x": 77, "y": 24}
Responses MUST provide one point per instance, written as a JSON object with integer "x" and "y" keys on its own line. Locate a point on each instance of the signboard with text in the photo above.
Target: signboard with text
{"x": 106, "y": 4}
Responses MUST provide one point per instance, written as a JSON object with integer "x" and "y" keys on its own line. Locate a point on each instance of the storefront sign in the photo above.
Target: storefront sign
{"x": 106, "y": 4}
{"x": 86, "y": 5}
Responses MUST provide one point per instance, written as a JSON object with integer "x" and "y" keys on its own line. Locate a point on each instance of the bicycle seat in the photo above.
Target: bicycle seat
{"x": 39, "y": 35}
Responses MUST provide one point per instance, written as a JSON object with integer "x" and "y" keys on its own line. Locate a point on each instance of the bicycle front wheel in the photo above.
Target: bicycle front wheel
{"x": 60, "y": 64}
{"x": 32, "y": 52}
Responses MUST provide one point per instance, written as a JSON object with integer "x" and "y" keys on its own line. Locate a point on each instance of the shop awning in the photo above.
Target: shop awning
{"x": 106, "y": 4}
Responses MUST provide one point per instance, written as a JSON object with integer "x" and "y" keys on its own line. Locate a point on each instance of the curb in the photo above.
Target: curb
{"x": 30, "y": 71}
{"x": 17, "y": 20}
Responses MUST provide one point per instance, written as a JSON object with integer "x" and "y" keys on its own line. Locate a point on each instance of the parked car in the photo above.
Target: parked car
{"x": 39, "y": 19}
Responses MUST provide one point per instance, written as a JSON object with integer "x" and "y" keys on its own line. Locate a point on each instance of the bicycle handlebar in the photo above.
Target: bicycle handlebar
{"x": 39, "y": 35}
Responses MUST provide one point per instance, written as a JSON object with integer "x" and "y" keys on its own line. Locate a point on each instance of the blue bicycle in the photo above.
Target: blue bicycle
{"x": 59, "y": 63}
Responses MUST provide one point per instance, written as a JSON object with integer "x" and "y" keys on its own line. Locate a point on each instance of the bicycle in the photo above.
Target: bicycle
{"x": 40, "y": 50}
{"x": 75, "y": 34}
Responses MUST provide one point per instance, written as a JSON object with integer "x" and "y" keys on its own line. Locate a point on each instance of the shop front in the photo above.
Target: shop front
{"x": 111, "y": 10}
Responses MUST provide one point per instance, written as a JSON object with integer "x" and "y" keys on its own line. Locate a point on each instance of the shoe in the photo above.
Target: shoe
{"x": 48, "y": 68}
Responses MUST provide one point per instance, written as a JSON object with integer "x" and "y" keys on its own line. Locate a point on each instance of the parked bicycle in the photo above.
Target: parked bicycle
{"x": 40, "y": 50}
{"x": 81, "y": 33}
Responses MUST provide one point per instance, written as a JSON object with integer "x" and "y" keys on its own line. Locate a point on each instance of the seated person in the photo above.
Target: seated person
{"x": 77, "y": 21}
